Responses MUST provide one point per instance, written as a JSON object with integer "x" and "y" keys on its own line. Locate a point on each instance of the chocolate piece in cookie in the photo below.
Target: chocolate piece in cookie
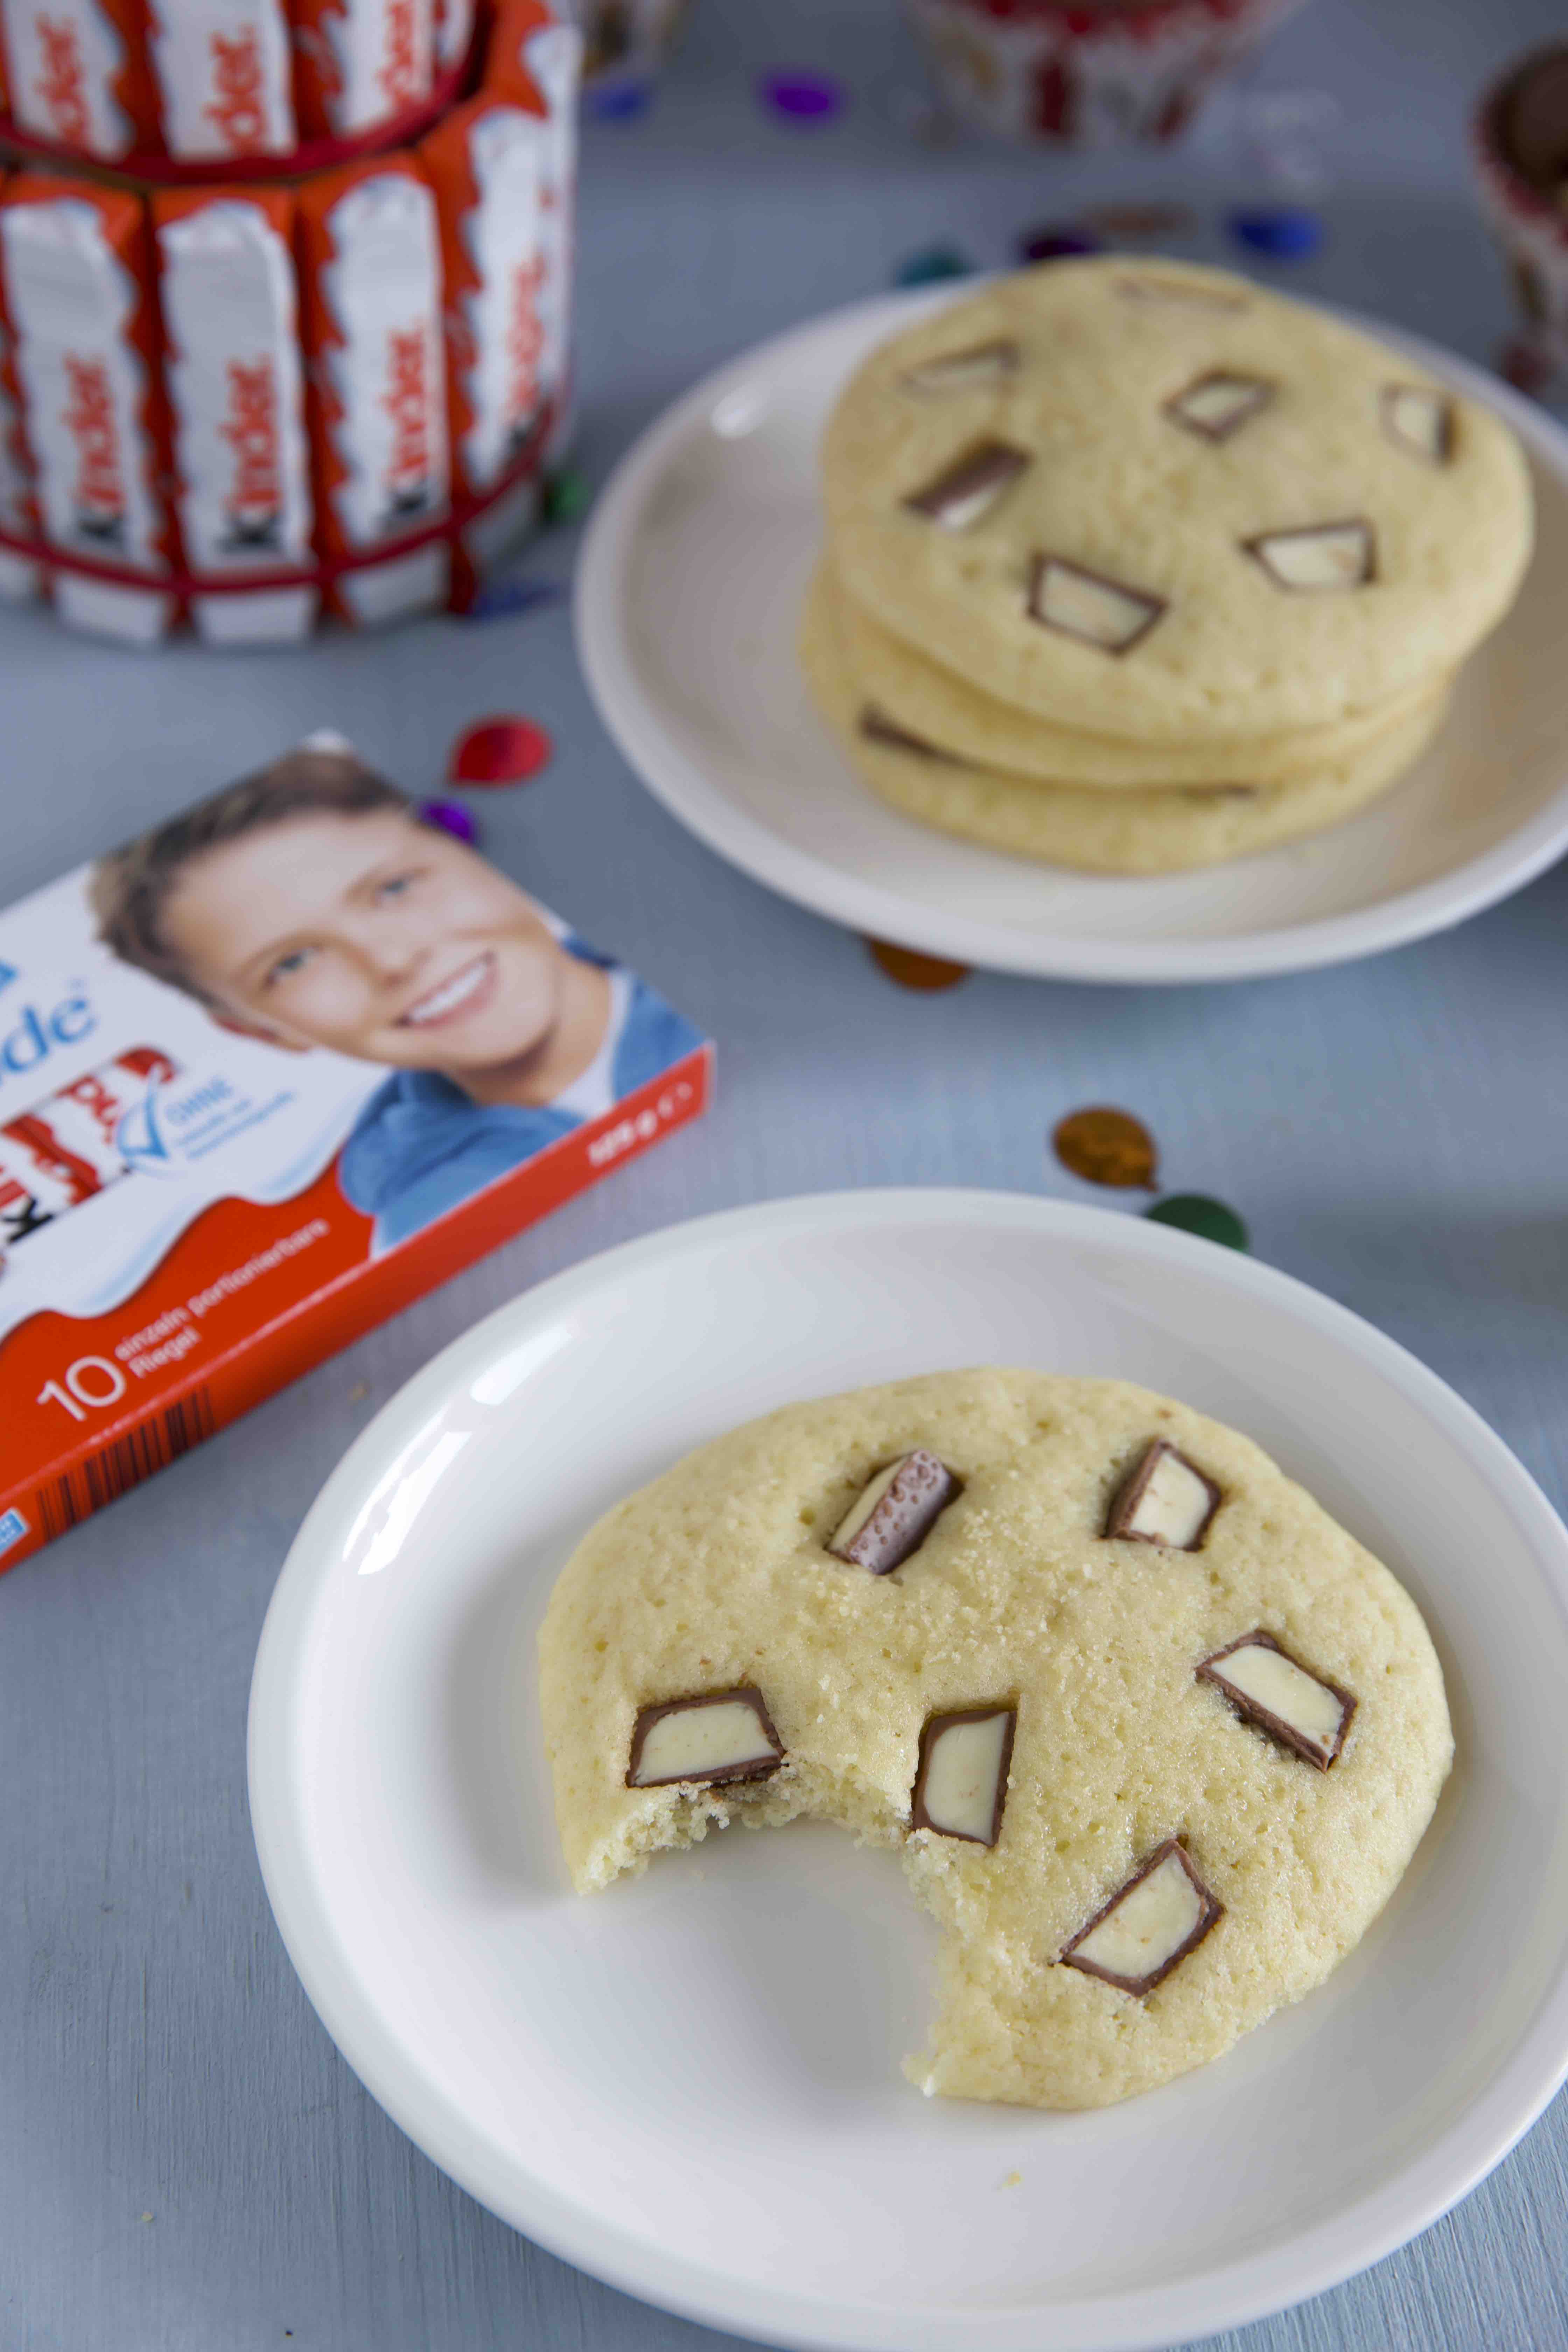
{"x": 720, "y": 1735}
{"x": 1217, "y": 404}
{"x": 1165, "y": 1499}
{"x": 1302, "y": 1711}
{"x": 895, "y": 1513}
{"x": 960, "y": 1785}
{"x": 1089, "y": 606}
{"x": 1419, "y": 420}
{"x": 1149, "y": 1925}
{"x": 981, "y": 363}
{"x": 963, "y": 493}
{"x": 1324, "y": 555}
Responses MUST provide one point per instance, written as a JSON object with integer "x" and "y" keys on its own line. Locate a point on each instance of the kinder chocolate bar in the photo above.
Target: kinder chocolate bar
{"x": 359, "y": 62}
{"x": 222, "y": 72}
{"x": 235, "y": 389}
{"x": 74, "y": 262}
{"x": 486, "y": 165}
{"x": 371, "y": 282}
{"x": 68, "y": 1146}
{"x": 77, "y": 75}
{"x": 536, "y": 61}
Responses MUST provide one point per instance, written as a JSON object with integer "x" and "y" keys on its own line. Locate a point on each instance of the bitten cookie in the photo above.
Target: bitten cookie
{"x": 1149, "y": 499}
{"x": 1154, "y": 1737}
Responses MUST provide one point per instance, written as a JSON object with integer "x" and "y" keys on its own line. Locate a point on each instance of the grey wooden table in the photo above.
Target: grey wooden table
{"x": 186, "y": 2163}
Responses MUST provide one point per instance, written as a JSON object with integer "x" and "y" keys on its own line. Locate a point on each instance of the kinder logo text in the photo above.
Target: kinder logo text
{"x": 237, "y": 107}
{"x": 61, "y": 89}
{"x": 254, "y": 502}
{"x": 36, "y": 1033}
{"x": 399, "y": 75}
{"x": 524, "y": 342}
{"x": 407, "y": 402}
{"x": 89, "y": 418}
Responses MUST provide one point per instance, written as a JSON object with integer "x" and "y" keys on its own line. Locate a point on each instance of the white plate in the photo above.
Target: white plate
{"x": 689, "y": 2086}
{"x": 687, "y": 592}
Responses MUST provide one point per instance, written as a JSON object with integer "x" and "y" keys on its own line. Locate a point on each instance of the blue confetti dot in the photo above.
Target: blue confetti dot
{"x": 801, "y": 96}
{"x": 1048, "y": 244}
{"x": 618, "y": 101}
{"x": 928, "y": 268}
{"x": 449, "y": 816}
{"x": 1285, "y": 234}
{"x": 498, "y": 599}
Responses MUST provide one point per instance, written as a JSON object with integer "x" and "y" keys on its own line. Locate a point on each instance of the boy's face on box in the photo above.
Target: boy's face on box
{"x": 372, "y": 934}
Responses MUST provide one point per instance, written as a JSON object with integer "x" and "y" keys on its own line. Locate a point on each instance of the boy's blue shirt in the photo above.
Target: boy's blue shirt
{"x": 421, "y": 1145}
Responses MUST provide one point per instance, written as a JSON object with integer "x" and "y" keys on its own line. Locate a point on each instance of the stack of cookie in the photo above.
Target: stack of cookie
{"x": 1133, "y": 567}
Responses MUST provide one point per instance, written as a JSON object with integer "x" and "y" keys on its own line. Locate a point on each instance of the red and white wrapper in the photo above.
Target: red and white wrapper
{"x": 223, "y": 71}
{"x": 237, "y": 398}
{"x": 372, "y": 293}
{"x": 19, "y": 580}
{"x": 1029, "y": 70}
{"x": 1533, "y": 230}
{"x": 66, "y": 1150}
{"x": 536, "y": 61}
{"x": 359, "y": 62}
{"x": 76, "y": 74}
{"x": 455, "y": 23}
{"x": 486, "y": 165}
{"x": 77, "y": 299}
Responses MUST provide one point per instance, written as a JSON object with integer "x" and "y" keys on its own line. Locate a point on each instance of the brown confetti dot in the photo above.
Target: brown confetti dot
{"x": 1128, "y": 221}
{"x": 1106, "y": 1147}
{"x": 912, "y": 971}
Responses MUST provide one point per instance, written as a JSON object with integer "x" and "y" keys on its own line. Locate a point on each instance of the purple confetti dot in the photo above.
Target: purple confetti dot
{"x": 801, "y": 97}
{"x": 451, "y": 817}
{"x": 1048, "y": 244}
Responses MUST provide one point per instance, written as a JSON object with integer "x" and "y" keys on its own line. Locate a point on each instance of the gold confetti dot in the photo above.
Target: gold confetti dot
{"x": 909, "y": 969}
{"x": 1106, "y": 1147}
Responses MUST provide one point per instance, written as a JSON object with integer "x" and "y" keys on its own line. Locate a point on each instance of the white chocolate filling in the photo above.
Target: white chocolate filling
{"x": 1154, "y": 1919}
{"x": 1283, "y": 1689}
{"x": 691, "y": 1743}
{"x": 1095, "y": 609}
{"x": 1420, "y": 419}
{"x": 963, "y": 1770}
{"x": 1337, "y": 556}
{"x": 1173, "y": 1505}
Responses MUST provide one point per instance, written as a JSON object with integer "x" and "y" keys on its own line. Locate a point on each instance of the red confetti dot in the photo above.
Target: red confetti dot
{"x": 912, "y": 970}
{"x": 500, "y": 751}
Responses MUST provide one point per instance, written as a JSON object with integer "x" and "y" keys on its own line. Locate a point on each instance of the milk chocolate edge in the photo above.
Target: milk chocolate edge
{"x": 954, "y": 1489}
{"x": 877, "y": 728}
{"x": 1275, "y": 1726}
{"x": 987, "y": 463}
{"x": 1213, "y": 1910}
{"x": 1007, "y": 353}
{"x": 1389, "y": 393}
{"x": 1254, "y": 545}
{"x": 748, "y": 1695}
{"x": 930, "y": 1730}
{"x": 1157, "y": 607}
{"x": 1130, "y": 1494}
{"x": 1173, "y": 407}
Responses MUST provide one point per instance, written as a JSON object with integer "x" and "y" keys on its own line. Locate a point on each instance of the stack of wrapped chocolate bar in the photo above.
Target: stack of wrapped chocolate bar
{"x": 244, "y": 381}
{"x": 1134, "y": 567}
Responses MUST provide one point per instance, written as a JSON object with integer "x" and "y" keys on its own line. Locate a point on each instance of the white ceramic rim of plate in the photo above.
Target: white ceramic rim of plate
{"x": 688, "y": 792}
{"x": 1321, "y": 2257}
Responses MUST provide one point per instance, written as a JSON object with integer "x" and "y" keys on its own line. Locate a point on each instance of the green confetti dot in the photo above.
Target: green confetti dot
{"x": 1194, "y": 1213}
{"x": 566, "y": 496}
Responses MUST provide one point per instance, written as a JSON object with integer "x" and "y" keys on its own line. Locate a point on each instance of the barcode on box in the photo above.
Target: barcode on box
{"x": 117, "y": 1467}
